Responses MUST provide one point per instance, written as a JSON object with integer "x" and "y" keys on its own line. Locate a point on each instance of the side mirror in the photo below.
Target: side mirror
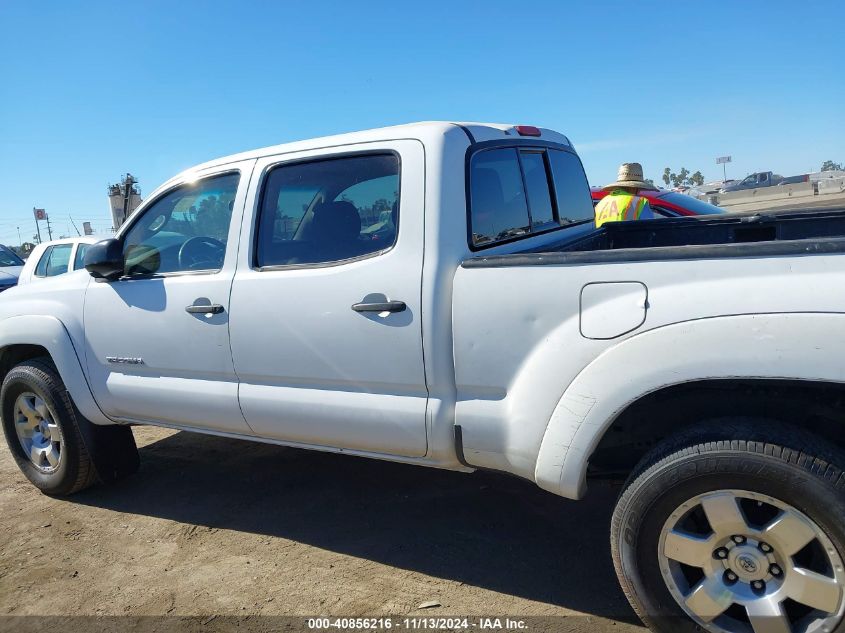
{"x": 104, "y": 260}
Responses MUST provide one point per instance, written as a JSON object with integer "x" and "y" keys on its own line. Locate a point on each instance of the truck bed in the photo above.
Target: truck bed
{"x": 689, "y": 238}
{"x": 532, "y": 322}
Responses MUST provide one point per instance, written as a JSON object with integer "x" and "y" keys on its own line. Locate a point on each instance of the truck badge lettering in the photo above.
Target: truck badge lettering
{"x": 123, "y": 360}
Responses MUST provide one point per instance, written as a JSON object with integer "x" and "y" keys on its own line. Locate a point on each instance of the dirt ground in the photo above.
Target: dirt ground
{"x": 214, "y": 527}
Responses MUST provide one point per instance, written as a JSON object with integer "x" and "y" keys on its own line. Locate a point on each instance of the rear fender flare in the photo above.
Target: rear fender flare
{"x": 797, "y": 346}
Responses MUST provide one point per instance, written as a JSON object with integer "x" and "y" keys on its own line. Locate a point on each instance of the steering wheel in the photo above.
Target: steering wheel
{"x": 201, "y": 252}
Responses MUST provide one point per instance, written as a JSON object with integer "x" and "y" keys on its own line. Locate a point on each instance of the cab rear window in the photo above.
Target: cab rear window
{"x": 519, "y": 192}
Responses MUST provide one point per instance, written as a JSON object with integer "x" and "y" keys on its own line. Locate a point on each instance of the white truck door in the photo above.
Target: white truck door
{"x": 325, "y": 322}
{"x": 158, "y": 338}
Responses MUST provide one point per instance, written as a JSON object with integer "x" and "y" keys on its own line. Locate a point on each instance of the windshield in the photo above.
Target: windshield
{"x": 8, "y": 258}
{"x": 699, "y": 207}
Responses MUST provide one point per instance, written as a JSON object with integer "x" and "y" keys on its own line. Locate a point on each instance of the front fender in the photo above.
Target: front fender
{"x": 798, "y": 346}
{"x": 51, "y": 334}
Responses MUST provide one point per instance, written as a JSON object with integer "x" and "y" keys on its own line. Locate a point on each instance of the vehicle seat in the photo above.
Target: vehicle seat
{"x": 335, "y": 231}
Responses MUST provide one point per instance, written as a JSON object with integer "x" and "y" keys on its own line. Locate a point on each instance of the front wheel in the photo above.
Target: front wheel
{"x": 41, "y": 425}
{"x": 736, "y": 530}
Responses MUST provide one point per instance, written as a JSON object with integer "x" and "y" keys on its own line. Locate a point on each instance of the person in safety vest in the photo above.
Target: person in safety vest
{"x": 623, "y": 203}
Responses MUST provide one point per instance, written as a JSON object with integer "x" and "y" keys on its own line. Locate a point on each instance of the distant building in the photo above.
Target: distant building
{"x": 124, "y": 198}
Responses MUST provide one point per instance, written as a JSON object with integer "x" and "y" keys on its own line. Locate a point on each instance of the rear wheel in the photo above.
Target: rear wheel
{"x": 734, "y": 529}
{"x": 41, "y": 427}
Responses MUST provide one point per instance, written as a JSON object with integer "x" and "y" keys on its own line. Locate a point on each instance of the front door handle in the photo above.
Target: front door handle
{"x": 386, "y": 306}
{"x": 214, "y": 308}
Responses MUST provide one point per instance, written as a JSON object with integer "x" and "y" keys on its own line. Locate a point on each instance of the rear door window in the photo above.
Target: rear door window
{"x": 329, "y": 210}
{"x": 55, "y": 261}
{"x": 41, "y": 268}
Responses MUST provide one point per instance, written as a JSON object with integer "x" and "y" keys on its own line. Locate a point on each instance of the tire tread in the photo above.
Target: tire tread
{"x": 791, "y": 445}
{"x": 45, "y": 370}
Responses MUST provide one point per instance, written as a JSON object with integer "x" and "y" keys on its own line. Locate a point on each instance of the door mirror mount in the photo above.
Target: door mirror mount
{"x": 104, "y": 260}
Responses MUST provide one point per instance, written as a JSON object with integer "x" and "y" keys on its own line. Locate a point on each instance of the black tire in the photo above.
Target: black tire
{"x": 758, "y": 456}
{"x": 75, "y": 469}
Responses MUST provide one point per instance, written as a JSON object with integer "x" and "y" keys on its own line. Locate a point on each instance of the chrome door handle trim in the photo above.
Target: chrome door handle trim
{"x": 214, "y": 308}
{"x": 387, "y": 306}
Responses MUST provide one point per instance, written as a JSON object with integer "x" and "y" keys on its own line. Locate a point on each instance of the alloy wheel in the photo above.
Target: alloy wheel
{"x": 742, "y": 562}
{"x": 38, "y": 433}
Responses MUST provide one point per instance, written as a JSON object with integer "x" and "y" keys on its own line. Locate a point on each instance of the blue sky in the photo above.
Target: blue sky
{"x": 91, "y": 90}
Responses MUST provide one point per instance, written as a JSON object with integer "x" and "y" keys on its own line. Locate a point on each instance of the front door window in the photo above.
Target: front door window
{"x": 184, "y": 230}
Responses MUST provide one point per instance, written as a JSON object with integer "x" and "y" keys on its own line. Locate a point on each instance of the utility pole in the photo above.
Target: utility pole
{"x": 49, "y": 230}
{"x": 37, "y": 213}
{"x": 20, "y": 239}
{"x": 128, "y": 184}
{"x": 74, "y": 225}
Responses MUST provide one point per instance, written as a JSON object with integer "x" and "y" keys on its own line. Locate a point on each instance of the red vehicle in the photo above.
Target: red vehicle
{"x": 669, "y": 204}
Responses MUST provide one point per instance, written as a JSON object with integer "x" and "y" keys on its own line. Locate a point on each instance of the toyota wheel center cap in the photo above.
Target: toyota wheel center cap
{"x": 747, "y": 563}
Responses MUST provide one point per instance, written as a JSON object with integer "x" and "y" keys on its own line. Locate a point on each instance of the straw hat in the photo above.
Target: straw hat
{"x": 629, "y": 175}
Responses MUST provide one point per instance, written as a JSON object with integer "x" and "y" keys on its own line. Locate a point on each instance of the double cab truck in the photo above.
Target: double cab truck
{"x": 761, "y": 179}
{"x": 438, "y": 294}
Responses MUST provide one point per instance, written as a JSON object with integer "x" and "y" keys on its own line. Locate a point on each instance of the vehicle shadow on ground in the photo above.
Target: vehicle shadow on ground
{"x": 487, "y": 530}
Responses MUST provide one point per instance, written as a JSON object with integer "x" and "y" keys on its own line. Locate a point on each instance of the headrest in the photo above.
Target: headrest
{"x": 336, "y": 222}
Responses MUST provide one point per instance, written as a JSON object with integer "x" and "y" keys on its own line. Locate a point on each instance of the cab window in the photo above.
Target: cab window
{"x": 572, "y": 191}
{"x": 499, "y": 210}
{"x": 41, "y": 267}
{"x": 518, "y": 193}
{"x": 537, "y": 190}
{"x": 79, "y": 258}
{"x": 185, "y": 230}
{"x": 55, "y": 261}
{"x": 328, "y": 210}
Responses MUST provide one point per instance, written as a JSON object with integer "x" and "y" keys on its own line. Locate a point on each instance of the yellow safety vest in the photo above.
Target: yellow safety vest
{"x": 619, "y": 205}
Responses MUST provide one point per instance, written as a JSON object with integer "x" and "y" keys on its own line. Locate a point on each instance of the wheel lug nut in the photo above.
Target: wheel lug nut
{"x": 758, "y": 585}
{"x": 765, "y": 547}
{"x": 775, "y": 570}
{"x": 730, "y": 576}
{"x": 738, "y": 539}
{"x": 721, "y": 553}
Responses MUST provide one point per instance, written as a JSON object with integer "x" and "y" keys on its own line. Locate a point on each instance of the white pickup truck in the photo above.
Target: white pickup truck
{"x": 438, "y": 294}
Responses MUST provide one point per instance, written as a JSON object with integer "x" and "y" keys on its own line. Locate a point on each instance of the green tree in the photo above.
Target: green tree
{"x": 683, "y": 178}
{"x": 213, "y": 217}
{"x": 829, "y": 165}
{"x": 680, "y": 178}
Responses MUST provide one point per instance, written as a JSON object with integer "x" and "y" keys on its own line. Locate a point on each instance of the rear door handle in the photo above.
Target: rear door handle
{"x": 214, "y": 308}
{"x": 387, "y": 306}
